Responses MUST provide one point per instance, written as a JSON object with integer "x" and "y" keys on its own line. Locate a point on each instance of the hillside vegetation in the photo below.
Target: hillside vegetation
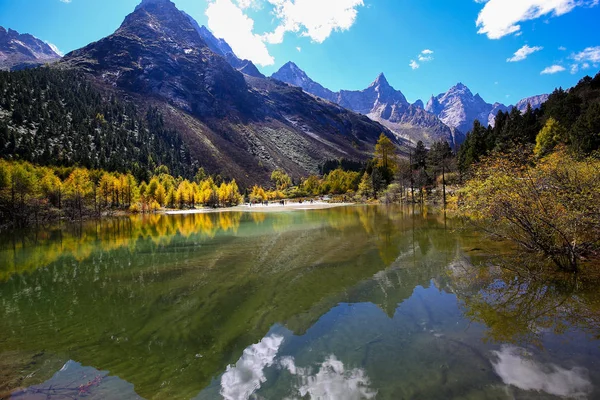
{"x": 535, "y": 178}
{"x": 58, "y": 117}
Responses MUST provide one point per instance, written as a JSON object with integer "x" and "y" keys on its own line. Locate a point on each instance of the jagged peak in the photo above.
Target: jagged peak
{"x": 291, "y": 66}
{"x": 146, "y": 2}
{"x": 380, "y": 81}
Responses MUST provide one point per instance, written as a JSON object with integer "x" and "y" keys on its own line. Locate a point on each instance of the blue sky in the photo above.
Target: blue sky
{"x": 344, "y": 44}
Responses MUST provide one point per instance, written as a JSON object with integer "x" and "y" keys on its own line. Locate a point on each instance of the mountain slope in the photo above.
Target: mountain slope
{"x": 382, "y": 103}
{"x": 459, "y": 108}
{"x": 535, "y": 102}
{"x": 220, "y": 47}
{"x": 238, "y": 125}
{"x": 292, "y": 74}
{"x": 18, "y": 51}
{"x": 103, "y": 131}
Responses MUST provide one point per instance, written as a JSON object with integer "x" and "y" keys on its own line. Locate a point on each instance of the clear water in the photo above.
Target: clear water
{"x": 346, "y": 303}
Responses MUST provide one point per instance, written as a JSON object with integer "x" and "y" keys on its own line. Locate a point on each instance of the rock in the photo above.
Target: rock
{"x": 20, "y": 51}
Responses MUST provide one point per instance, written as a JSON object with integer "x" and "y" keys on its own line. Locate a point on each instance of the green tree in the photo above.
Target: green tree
{"x": 420, "y": 156}
{"x": 77, "y": 187}
{"x": 549, "y": 137}
{"x": 281, "y": 180}
{"x": 386, "y": 158}
{"x": 365, "y": 187}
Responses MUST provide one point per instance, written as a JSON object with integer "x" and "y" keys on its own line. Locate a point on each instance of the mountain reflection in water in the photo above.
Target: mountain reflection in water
{"x": 354, "y": 302}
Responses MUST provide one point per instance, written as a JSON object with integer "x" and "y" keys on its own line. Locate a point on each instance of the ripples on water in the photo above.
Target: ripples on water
{"x": 347, "y": 303}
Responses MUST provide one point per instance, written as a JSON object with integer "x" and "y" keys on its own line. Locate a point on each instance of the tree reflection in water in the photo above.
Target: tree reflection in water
{"x": 518, "y": 303}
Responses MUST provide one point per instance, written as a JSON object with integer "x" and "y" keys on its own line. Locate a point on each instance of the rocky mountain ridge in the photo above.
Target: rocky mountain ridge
{"x": 18, "y": 51}
{"x": 380, "y": 102}
{"x": 456, "y": 109}
{"x": 236, "y": 124}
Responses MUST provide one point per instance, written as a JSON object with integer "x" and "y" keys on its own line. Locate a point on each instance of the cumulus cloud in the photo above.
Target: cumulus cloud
{"x": 247, "y": 3}
{"x": 315, "y": 19}
{"x": 517, "y": 369}
{"x": 332, "y": 381}
{"x": 499, "y": 18}
{"x": 553, "y": 69}
{"x": 241, "y": 380}
{"x": 423, "y": 57}
{"x": 228, "y": 21}
{"x": 585, "y": 58}
{"x": 590, "y": 54}
{"x": 523, "y": 53}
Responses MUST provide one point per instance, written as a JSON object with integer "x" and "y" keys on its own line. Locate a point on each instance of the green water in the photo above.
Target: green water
{"x": 346, "y": 303}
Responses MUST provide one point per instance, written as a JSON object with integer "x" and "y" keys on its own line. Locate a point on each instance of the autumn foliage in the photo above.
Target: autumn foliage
{"x": 550, "y": 206}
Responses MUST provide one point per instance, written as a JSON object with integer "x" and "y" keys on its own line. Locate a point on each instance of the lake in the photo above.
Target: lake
{"x": 359, "y": 302}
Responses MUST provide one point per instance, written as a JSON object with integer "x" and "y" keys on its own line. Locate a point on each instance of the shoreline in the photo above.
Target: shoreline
{"x": 262, "y": 208}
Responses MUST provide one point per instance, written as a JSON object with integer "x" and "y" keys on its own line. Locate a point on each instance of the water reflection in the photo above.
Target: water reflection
{"x": 74, "y": 381}
{"x": 241, "y": 380}
{"x": 521, "y": 307}
{"x": 517, "y": 368}
{"x": 352, "y": 302}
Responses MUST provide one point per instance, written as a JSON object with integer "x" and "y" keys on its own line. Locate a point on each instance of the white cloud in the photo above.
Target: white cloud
{"x": 499, "y": 18}
{"x": 552, "y": 70}
{"x": 562, "y": 48}
{"x": 590, "y": 54}
{"x": 65, "y": 1}
{"x": 299, "y": 49}
{"x": 227, "y": 20}
{"x": 426, "y": 55}
{"x": 55, "y": 49}
{"x": 316, "y": 19}
{"x": 241, "y": 380}
{"x": 423, "y": 57}
{"x": 583, "y": 59}
{"x": 247, "y": 4}
{"x": 523, "y": 52}
{"x": 574, "y": 69}
{"x": 516, "y": 368}
{"x": 332, "y": 381}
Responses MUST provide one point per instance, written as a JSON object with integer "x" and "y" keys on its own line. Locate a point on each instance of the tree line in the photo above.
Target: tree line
{"x": 35, "y": 194}
{"x": 534, "y": 178}
{"x": 569, "y": 118}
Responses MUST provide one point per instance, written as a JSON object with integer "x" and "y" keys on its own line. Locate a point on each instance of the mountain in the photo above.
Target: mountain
{"x": 18, "y": 51}
{"x": 419, "y": 104}
{"x": 381, "y": 103}
{"x": 238, "y": 125}
{"x": 459, "y": 108}
{"x": 535, "y": 102}
{"x": 220, "y": 47}
{"x": 496, "y": 108}
{"x": 292, "y": 74}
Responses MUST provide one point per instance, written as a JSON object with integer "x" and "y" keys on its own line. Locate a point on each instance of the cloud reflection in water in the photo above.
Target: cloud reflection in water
{"x": 247, "y": 375}
{"x": 331, "y": 381}
{"x": 517, "y": 370}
